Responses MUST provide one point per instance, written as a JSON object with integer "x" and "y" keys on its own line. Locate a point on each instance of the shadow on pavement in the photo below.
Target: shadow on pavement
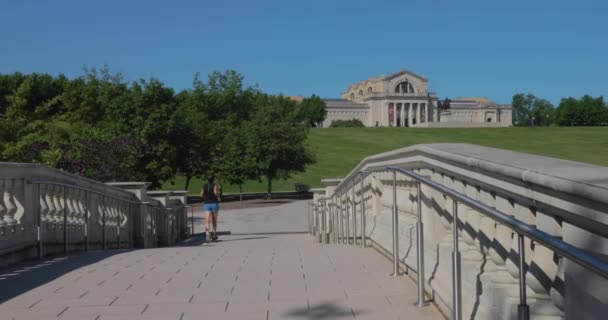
{"x": 26, "y": 276}
{"x": 323, "y": 311}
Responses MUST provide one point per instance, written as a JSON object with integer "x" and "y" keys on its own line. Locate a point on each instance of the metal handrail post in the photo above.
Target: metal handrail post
{"x": 420, "y": 249}
{"x": 395, "y": 228}
{"x": 523, "y": 310}
{"x": 324, "y": 224}
{"x": 86, "y": 220}
{"x": 354, "y": 214}
{"x": 456, "y": 277}
{"x": 347, "y": 220}
{"x": 65, "y": 222}
{"x": 131, "y": 226}
{"x": 363, "y": 236}
{"x": 314, "y": 220}
{"x": 320, "y": 224}
{"x": 103, "y": 223}
{"x": 39, "y": 231}
{"x": 335, "y": 226}
{"x": 192, "y": 220}
{"x": 342, "y": 231}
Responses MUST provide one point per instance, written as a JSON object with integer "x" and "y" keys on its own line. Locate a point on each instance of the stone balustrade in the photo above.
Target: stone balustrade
{"x": 44, "y": 211}
{"x": 566, "y": 199}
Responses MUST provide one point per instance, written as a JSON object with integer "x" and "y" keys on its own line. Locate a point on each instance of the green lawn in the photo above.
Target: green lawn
{"x": 338, "y": 150}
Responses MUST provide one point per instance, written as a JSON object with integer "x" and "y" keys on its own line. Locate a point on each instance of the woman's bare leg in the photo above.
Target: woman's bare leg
{"x": 208, "y": 224}
{"x": 214, "y": 214}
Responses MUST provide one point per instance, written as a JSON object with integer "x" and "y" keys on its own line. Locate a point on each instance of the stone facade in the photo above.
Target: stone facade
{"x": 403, "y": 100}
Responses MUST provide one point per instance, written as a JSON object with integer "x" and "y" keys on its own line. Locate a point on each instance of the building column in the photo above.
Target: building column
{"x": 424, "y": 113}
{"x": 397, "y": 115}
{"x": 410, "y": 113}
{"x": 402, "y": 115}
{"x": 417, "y": 113}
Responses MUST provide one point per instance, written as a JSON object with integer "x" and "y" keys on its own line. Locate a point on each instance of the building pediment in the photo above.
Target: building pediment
{"x": 406, "y": 73}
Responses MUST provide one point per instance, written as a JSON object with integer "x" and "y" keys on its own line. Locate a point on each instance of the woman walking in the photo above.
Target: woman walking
{"x": 211, "y": 199}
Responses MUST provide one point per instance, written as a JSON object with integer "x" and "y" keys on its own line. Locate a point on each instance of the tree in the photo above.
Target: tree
{"x": 587, "y": 111}
{"x": 312, "y": 111}
{"x": 191, "y": 138}
{"x": 225, "y": 94}
{"x": 233, "y": 161}
{"x": 528, "y": 110}
{"x": 278, "y": 139}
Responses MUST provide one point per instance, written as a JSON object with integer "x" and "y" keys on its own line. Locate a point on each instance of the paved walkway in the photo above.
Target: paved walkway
{"x": 252, "y": 274}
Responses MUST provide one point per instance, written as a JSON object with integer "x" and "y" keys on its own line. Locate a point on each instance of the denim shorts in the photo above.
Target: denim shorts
{"x": 211, "y": 207}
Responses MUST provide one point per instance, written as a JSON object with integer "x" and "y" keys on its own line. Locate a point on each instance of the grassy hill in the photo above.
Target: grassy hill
{"x": 340, "y": 149}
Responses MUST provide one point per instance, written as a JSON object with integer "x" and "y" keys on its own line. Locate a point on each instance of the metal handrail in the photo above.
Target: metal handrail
{"x": 565, "y": 249}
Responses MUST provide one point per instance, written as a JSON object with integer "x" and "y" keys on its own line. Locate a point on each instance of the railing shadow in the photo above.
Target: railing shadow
{"x": 26, "y": 276}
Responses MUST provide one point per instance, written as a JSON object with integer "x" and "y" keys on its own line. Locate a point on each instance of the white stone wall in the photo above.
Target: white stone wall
{"x": 71, "y": 213}
{"x": 346, "y": 114}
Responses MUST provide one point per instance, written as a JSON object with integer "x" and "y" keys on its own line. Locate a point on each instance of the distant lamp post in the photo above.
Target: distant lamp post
{"x": 533, "y": 121}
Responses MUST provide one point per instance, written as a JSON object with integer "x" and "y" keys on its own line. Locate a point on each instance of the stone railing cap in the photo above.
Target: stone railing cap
{"x": 318, "y": 190}
{"x": 160, "y": 193}
{"x": 130, "y": 184}
{"x": 331, "y": 182}
{"x": 180, "y": 192}
{"x": 580, "y": 179}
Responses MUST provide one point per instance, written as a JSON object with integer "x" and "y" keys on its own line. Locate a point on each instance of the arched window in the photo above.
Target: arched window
{"x": 360, "y": 93}
{"x": 404, "y": 87}
{"x": 369, "y": 90}
{"x": 352, "y": 96}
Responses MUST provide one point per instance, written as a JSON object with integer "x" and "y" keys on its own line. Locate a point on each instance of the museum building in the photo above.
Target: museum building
{"x": 403, "y": 100}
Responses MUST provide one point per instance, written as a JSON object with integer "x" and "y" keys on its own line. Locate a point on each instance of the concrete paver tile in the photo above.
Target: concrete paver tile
{"x": 247, "y": 276}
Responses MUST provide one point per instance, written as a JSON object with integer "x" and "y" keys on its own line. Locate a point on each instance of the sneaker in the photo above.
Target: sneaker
{"x": 215, "y": 237}
{"x": 208, "y": 236}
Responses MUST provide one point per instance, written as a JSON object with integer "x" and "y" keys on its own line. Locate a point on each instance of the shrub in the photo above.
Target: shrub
{"x": 353, "y": 123}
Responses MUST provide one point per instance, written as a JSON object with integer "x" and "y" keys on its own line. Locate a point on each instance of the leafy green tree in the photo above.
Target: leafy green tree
{"x": 312, "y": 111}
{"x": 191, "y": 137}
{"x": 233, "y": 160}
{"x": 225, "y": 94}
{"x": 529, "y": 110}
{"x": 278, "y": 139}
{"x": 587, "y": 111}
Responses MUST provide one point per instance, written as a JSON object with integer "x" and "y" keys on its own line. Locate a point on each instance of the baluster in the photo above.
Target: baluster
{"x": 18, "y": 199}
{"x": 471, "y": 227}
{"x": 69, "y": 201}
{"x": 50, "y": 215}
{"x": 58, "y": 217}
{"x": 44, "y": 207}
{"x": 544, "y": 271}
{"x": 81, "y": 208}
{"x": 104, "y": 219}
{"x": 124, "y": 218}
{"x": 100, "y": 211}
{"x": 526, "y": 215}
{"x": 500, "y": 287}
{"x": 557, "y": 291}
{"x": 10, "y": 207}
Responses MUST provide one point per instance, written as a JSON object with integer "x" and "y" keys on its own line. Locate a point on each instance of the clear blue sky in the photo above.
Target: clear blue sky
{"x": 466, "y": 48}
